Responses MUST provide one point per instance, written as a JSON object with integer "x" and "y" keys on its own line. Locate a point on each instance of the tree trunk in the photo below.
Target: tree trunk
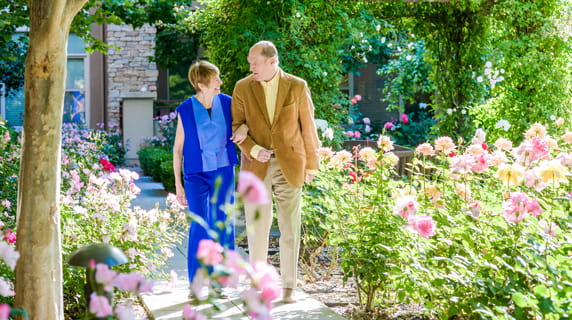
{"x": 38, "y": 283}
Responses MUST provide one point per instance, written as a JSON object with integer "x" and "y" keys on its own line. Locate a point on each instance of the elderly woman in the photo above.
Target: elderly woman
{"x": 204, "y": 152}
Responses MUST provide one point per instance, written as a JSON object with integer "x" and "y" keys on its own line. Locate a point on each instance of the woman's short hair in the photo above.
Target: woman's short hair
{"x": 202, "y": 72}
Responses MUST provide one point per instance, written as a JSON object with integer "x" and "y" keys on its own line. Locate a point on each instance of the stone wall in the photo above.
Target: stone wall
{"x": 129, "y": 69}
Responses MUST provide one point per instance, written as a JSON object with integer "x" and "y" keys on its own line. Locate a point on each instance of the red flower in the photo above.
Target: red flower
{"x": 107, "y": 165}
{"x": 404, "y": 118}
{"x": 10, "y": 236}
{"x": 353, "y": 176}
{"x": 484, "y": 146}
{"x": 452, "y": 154}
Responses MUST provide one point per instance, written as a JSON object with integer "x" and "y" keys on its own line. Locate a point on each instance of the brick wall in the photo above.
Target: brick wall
{"x": 129, "y": 69}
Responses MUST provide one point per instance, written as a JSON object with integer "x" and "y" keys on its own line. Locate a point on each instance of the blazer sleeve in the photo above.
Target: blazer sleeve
{"x": 239, "y": 118}
{"x": 309, "y": 132}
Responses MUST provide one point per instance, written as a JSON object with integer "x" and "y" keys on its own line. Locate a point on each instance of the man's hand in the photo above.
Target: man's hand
{"x": 264, "y": 155}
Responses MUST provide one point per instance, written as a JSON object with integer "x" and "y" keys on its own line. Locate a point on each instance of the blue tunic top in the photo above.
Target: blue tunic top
{"x": 207, "y": 145}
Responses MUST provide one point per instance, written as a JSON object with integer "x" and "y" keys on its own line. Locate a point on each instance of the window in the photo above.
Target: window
{"x": 76, "y": 105}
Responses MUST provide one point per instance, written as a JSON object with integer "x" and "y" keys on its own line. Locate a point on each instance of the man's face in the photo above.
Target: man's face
{"x": 263, "y": 68}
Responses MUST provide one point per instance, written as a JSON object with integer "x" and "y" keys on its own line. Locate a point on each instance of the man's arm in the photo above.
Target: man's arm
{"x": 309, "y": 133}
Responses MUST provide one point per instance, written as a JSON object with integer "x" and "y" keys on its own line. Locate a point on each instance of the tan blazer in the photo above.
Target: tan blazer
{"x": 291, "y": 134}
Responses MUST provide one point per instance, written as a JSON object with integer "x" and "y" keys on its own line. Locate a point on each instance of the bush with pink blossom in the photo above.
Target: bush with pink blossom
{"x": 481, "y": 229}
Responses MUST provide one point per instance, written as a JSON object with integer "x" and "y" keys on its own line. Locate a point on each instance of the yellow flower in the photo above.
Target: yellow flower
{"x": 503, "y": 144}
{"x": 463, "y": 191}
{"x": 341, "y": 159}
{"x": 390, "y": 158}
{"x": 510, "y": 174}
{"x": 536, "y": 130}
{"x": 325, "y": 153}
{"x": 444, "y": 144}
{"x": 432, "y": 192}
{"x": 552, "y": 172}
{"x": 367, "y": 154}
{"x": 385, "y": 143}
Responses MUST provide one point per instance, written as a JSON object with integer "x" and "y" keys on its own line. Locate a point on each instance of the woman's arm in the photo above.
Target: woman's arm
{"x": 178, "y": 162}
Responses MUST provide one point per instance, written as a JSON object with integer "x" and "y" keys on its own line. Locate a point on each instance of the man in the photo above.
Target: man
{"x": 281, "y": 149}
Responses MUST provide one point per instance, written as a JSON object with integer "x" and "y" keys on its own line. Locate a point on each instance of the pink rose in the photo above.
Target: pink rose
{"x": 4, "y": 311}
{"x": 357, "y": 97}
{"x": 209, "y": 252}
{"x": 268, "y": 281}
{"x": 388, "y": 125}
{"x": 404, "y": 118}
{"x": 423, "y": 225}
{"x": 350, "y": 134}
{"x": 251, "y": 188}
{"x": 99, "y": 306}
{"x": 357, "y": 134}
{"x": 366, "y": 120}
{"x": 132, "y": 282}
{"x": 354, "y": 101}
{"x": 105, "y": 276}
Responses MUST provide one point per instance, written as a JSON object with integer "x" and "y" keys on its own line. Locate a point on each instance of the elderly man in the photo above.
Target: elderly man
{"x": 281, "y": 149}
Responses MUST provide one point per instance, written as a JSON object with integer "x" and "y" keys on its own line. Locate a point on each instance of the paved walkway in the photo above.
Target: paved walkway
{"x": 167, "y": 300}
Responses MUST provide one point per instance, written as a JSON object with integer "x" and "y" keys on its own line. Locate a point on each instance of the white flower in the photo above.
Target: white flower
{"x": 328, "y": 134}
{"x": 408, "y": 57}
{"x": 377, "y": 28}
{"x": 504, "y": 124}
{"x": 488, "y": 64}
{"x": 321, "y": 124}
{"x": 382, "y": 39}
{"x": 479, "y": 79}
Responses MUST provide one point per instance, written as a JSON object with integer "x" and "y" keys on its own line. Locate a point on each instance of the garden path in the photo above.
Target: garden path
{"x": 168, "y": 299}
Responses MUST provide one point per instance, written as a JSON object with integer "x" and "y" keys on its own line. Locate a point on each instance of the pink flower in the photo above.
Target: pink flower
{"x": 6, "y": 203}
{"x": 132, "y": 282}
{"x": 549, "y": 227}
{"x": 532, "y": 150}
{"x": 357, "y": 97}
{"x": 367, "y": 128}
{"x": 357, "y": 134}
{"x": 480, "y": 163}
{"x": 191, "y": 314}
{"x": 354, "y": 101}
{"x": 366, "y": 120}
{"x": 423, "y": 225}
{"x": 474, "y": 209}
{"x": 209, "y": 252}
{"x": 99, "y": 306}
{"x": 519, "y": 206}
{"x": 266, "y": 278}
{"x": 350, "y": 134}
{"x": 4, "y": 311}
{"x": 9, "y": 254}
{"x": 105, "y": 276}
{"x": 404, "y": 118}
{"x": 6, "y": 289}
{"x": 405, "y": 206}
{"x": 425, "y": 149}
{"x": 251, "y": 188}
{"x": 462, "y": 164}
{"x": 388, "y": 125}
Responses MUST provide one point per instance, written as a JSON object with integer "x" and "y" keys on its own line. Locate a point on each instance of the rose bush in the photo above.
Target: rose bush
{"x": 480, "y": 230}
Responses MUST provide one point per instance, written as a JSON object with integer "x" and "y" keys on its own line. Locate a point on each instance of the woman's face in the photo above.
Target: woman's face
{"x": 213, "y": 87}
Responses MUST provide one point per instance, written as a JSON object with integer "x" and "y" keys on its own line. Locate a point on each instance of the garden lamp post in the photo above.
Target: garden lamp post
{"x": 99, "y": 253}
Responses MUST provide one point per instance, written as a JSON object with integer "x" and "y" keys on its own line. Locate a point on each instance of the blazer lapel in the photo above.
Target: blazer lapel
{"x": 258, "y": 93}
{"x": 283, "y": 93}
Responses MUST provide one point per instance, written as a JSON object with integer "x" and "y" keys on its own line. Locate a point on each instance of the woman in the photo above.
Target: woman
{"x": 205, "y": 153}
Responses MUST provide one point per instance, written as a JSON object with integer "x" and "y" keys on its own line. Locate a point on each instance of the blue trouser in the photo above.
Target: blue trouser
{"x": 206, "y": 198}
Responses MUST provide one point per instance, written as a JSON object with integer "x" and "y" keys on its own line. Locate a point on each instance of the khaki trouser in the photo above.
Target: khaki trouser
{"x": 259, "y": 221}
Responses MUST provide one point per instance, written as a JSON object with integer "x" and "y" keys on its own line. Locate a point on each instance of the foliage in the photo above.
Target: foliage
{"x": 411, "y": 129}
{"x": 528, "y": 40}
{"x": 490, "y": 225}
{"x": 406, "y": 71}
{"x": 95, "y": 207}
{"x": 9, "y": 168}
{"x": 167, "y": 129}
{"x": 310, "y": 36}
{"x": 535, "y": 50}
{"x": 152, "y": 159}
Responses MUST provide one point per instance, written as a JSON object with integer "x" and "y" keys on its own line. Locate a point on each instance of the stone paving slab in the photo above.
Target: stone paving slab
{"x": 167, "y": 301}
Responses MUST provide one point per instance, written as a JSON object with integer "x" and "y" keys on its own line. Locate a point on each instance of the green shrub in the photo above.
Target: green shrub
{"x": 167, "y": 175}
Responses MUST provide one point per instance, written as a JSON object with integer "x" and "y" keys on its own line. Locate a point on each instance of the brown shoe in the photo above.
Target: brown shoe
{"x": 287, "y": 295}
